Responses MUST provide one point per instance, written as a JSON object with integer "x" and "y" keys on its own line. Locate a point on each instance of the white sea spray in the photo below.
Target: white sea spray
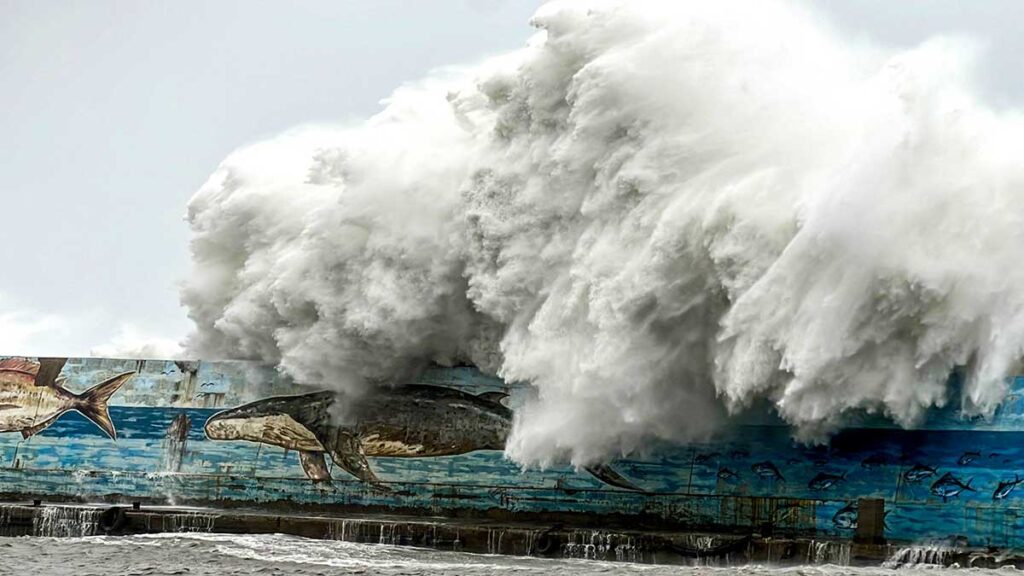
{"x": 656, "y": 213}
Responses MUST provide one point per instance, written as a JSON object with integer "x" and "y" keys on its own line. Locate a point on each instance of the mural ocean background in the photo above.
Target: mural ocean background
{"x": 952, "y": 481}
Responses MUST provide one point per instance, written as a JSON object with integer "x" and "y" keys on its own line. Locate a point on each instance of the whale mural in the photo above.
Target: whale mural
{"x": 234, "y": 433}
{"x": 413, "y": 421}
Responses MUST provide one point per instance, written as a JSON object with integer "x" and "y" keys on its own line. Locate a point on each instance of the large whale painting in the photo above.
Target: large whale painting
{"x": 412, "y": 421}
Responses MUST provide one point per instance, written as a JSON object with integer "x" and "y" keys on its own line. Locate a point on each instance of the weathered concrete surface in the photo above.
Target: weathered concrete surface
{"x": 777, "y": 517}
{"x": 476, "y": 535}
{"x": 870, "y": 521}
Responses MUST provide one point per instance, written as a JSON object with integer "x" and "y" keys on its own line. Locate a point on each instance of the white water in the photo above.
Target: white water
{"x": 924, "y": 554}
{"x": 830, "y": 552}
{"x": 223, "y": 554}
{"x": 657, "y": 213}
{"x": 66, "y": 521}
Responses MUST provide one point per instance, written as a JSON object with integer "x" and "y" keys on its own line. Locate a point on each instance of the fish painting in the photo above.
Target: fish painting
{"x": 727, "y": 474}
{"x": 412, "y": 421}
{"x": 1004, "y": 488}
{"x": 824, "y": 481}
{"x": 32, "y": 397}
{"x": 918, "y": 473}
{"x": 846, "y": 517}
{"x": 968, "y": 457}
{"x": 767, "y": 470}
{"x": 950, "y": 486}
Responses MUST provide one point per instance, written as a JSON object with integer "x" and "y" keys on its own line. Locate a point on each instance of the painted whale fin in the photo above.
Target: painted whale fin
{"x": 347, "y": 453}
{"x": 314, "y": 466}
{"x": 313, "y": 411}
{"x": 968, "y": 485}
{"x": 609, "y": 476}
{"x": 93, "y": 402}
{"x": 495, "y": 397}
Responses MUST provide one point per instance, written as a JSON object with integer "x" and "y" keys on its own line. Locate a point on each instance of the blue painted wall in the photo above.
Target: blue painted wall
{"x": 699, "y": 485}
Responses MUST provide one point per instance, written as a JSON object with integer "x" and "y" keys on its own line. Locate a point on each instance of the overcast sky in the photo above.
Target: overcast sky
{"x": 113, "y": 113}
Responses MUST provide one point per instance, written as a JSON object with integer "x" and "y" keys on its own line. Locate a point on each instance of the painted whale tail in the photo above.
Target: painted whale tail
{"x": 93, "y": 402}
{"x": 608, "y": 475}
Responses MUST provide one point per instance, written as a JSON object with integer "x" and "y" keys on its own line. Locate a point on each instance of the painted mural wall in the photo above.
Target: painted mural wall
{"x": 232, "y": 433}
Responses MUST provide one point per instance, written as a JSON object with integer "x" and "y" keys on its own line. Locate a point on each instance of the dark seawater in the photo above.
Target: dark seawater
{"x": 223, "y": 554}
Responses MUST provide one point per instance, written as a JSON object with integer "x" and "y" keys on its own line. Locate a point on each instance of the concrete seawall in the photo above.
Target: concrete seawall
{"x": 474, "y": 536}
{"x": 483, "y": 536}
{"x": 228, "y": 436}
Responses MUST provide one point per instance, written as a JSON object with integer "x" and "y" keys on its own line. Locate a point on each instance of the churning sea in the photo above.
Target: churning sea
{"x": 223, "y": 554}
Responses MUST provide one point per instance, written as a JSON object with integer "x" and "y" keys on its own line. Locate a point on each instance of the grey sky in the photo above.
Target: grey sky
{"x": 113, "y": 114}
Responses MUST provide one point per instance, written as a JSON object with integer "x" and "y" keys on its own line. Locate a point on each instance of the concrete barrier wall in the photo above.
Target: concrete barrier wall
{"x": 231, "y": 434}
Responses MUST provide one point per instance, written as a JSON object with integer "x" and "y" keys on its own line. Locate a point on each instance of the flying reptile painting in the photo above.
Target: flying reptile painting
{"x": 413, "y": 421}
{"x": 32, "y": 396}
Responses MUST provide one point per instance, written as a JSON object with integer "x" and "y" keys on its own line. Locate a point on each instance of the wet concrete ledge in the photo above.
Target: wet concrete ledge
{"x": 483, "y": 536}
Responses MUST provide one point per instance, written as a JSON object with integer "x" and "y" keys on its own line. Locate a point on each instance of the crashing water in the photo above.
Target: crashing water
{"x": 187, "y": 522}
{"x": 829, "y": 552}
{"x": 656, "y": 213}
{"x": 222, "y": 554}
{"x": 60, "y": 534}
{"x": 66, "y": 521}
{"x": 601, "y": 545}
{"x": 920, "y": 555}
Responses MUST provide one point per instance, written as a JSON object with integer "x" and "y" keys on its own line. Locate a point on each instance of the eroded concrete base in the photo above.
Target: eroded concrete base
{"x": 481, "y": 536}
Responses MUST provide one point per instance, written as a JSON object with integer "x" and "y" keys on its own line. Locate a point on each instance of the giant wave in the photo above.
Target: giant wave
{"x": 655, "y": 213}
